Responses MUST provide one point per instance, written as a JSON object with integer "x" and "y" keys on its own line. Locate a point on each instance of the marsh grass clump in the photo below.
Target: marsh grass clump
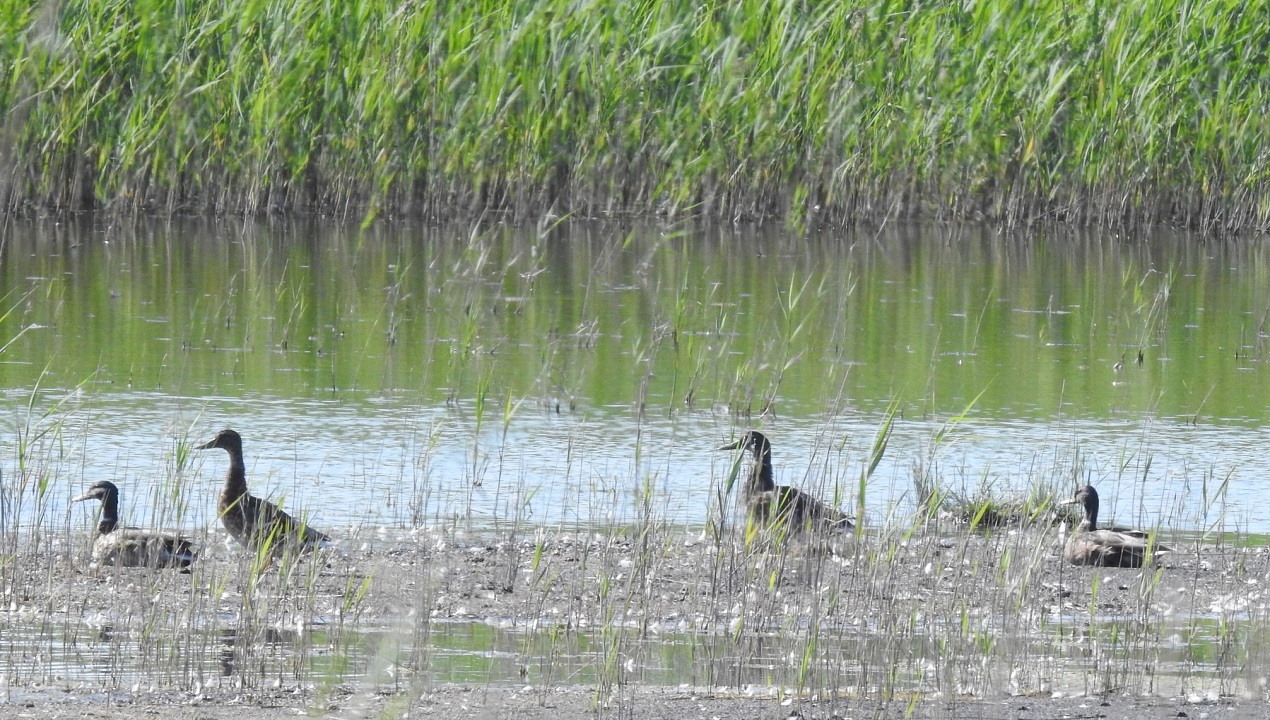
{"x": 989, "y": 506}
{"x": 984, "y": 510}
{"x": 1118, "y": 114}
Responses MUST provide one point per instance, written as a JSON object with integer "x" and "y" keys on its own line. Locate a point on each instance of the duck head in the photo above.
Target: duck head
{"x": 102, "y": 490}
{"x": 754, "y": 441}
{"x": 1087, "y": 498}
{"x": 108, "y": 494}
{"x": 225, "y": 440}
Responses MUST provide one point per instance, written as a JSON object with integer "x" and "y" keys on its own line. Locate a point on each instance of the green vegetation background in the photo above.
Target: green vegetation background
{"x": 1101, "y": 112}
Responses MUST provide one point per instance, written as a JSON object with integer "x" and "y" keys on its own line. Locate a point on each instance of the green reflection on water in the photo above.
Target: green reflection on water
{"x": 607, "y": 316}
{"x": 1105, "y": 656}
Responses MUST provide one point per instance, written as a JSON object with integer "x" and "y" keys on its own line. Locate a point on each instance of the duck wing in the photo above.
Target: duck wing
{"x": 803, "y": 510}
{"x": 258, "y": 524}
{"x": 1122, "y": 530}
{"x": 1111, "y": 548}
{"x": 134, "y": 547}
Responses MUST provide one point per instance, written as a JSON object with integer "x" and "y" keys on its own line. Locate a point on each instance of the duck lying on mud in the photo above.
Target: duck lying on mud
{"x": 769, "y": 503}
{"x": 132, "y": 547}
{"x": 1107, "y": 547}
{"x": 257, "y": 524}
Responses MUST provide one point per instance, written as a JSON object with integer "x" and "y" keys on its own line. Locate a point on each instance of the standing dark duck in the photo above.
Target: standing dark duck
{"x": 255, "y": 523}
{"x": 132, "y": 547}
{"x": 1107, "y": 547}
{"x": 770, "y": 503}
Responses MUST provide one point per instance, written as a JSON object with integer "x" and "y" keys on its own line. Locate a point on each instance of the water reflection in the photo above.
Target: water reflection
{"x": 246, "y": 657}
{"x": 412, "y": 375}
{"x": 463, "y": 653}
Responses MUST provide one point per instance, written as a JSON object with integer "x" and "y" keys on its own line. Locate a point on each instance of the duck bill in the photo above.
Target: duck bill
{"x": 86, "y": 496}
{"x": 730, "y": 446}
{"x": 206, "y": 446}
{"x": 1069, "y": 501}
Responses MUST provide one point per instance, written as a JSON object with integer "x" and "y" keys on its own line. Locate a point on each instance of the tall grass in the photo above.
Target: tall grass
{"x": 1115, "y": 113}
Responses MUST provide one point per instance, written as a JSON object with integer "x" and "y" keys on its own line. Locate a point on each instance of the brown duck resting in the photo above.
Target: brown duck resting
{"x": 1107, "y": 547}
{"x": 257, "y": 524}
{"x": 132, "y": 547}
{"x": 769, "y": 503}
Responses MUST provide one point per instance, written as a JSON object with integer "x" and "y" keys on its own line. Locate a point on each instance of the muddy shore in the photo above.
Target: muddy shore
{"x": 937, "y": 607}
{"x": 654, "y": 704}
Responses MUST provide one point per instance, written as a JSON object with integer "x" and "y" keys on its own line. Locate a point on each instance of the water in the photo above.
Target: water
{"x": 64, "y": 653}
{"x": 415, "y": 376}
{"x": 410, "y": 374}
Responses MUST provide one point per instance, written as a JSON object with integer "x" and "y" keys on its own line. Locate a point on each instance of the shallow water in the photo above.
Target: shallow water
{"x": 75, "y": 656}
{"x": 582, "y": 375}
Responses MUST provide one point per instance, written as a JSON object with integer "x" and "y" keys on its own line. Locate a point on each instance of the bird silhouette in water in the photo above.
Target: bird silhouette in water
{"x": 1108, "y": 547}
{"x": 132, "y": 547}
{"x": 770, "y": 504}
{"x": 256, "y": 524}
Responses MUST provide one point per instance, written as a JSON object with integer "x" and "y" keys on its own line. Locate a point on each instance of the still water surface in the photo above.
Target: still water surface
{"x": 582, "y": 374}
{"x": 74, "y": 655}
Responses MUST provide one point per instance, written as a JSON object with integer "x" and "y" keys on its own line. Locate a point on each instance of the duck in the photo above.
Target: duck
{"x": 770, "y": 503}
{"x": 1106, "y": 547}
{"x": 257, "y": 524}
{"x": 132, "y": 547}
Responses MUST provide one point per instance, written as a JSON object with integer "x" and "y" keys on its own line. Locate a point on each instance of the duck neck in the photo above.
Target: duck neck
{"x": 1091, "y": 517}
{"x": 761, "y": 473}
{"x": 109, "y": 514}
{"x": 235, "y": 479}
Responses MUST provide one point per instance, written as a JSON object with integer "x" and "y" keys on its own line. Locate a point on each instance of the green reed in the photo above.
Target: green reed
{"x": 1116, "y": 113}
